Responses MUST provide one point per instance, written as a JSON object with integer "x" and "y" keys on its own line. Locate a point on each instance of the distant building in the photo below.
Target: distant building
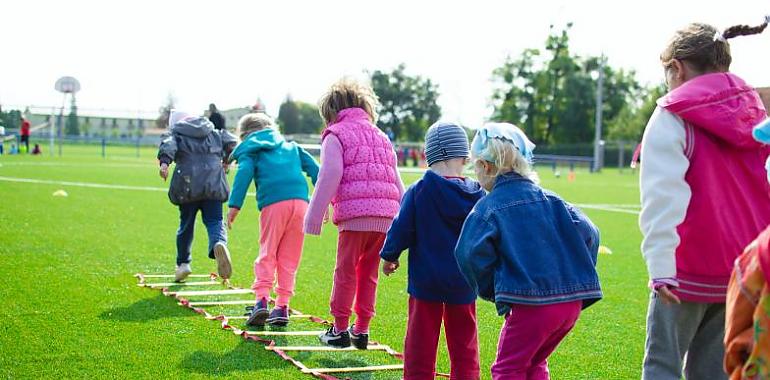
{"x": 102, "y": 126}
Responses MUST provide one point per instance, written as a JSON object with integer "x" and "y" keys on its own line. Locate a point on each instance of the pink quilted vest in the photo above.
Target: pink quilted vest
{"x": 368, "y": 187}
{"x": 730, "y": 202}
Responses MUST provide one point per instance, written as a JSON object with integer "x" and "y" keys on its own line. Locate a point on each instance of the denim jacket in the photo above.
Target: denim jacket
{"x": 522, "y": 244}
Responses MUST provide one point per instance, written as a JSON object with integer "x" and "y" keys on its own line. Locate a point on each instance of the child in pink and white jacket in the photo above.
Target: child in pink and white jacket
{"x": 360, "y": 178}
{"x": 704, "y": 198}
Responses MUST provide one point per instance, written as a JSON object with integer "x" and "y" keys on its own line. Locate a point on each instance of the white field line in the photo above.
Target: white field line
{"x": 620, "y": 208}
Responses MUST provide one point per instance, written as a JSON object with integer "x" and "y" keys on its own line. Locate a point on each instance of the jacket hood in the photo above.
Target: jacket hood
{"x": 721, "y": 104}
{"x": 198, "y": 127}
{"x": 453, "y": 198}
{"x": 265, "y": 139}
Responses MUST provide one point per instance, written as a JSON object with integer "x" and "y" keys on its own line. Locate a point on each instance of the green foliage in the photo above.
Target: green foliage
{"x": 10, "y": 119}
{"x": 408, "y": 103}
{"x": 299, "y": 117}
{"x": 630, "y": 123}
{"x": 551, "y": 94}
{"x": 72, "y": 125}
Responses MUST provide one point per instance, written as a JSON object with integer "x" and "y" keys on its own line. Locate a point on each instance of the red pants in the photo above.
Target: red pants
{"x": 529, "y": 336}
{"x": 422, "y": 333}
{"x": 355, "y": 278}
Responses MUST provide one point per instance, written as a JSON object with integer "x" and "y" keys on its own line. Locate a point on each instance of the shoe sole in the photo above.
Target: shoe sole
{"x": 279, "y": 322}
{"x": 182, "y": 276}
{"x": 224, "y": 266}
{"x": 258, "y": 318}
{"x": 333, "y": 344}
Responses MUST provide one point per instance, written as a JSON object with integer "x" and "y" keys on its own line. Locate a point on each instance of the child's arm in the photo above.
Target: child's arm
{"x": 166, "y": 153}
{"x": 587, "y": 230}
{"x": 402, "y": 232}
{"x": 309, "y": 165}
{"x": 329, "y": 177}
{"x": 241, "y": 184}
{"x": 665, "y": 195}
{"x": 476, "y": 254}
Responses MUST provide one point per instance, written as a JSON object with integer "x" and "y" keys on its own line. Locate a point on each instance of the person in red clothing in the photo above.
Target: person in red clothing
{"x": 25, "y": 132}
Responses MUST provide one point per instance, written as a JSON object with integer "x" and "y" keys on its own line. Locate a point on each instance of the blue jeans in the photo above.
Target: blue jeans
{"x": 212, "y": 218}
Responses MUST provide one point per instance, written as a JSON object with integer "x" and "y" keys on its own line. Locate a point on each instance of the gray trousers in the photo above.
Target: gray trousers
{"x": 688, "y": 335}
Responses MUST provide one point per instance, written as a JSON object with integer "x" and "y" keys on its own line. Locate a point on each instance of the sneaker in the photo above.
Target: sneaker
{"x": 361, "y": 341}
{"x": 258, "y": 314}
{"x": 339, "y": 339}
{"x": 222, "y": 255}
{"x": 182, "y": 271}
{"x": 279, "y": 316}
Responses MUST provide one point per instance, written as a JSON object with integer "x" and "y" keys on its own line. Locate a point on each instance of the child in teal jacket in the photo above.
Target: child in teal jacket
{"x": 276, "y": 167}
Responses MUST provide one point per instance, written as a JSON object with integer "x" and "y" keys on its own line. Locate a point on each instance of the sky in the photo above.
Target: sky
{"x": 129, "y": 56}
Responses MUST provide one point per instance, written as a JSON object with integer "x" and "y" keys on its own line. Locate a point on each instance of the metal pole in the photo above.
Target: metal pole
{"x": 61, "y": 121}
{"x": 598, "y": 128}
{"x": 52, "y": 125}
{"x": 104, "y": 147}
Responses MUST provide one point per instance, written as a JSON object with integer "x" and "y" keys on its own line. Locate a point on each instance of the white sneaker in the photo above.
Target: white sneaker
{"x": 224, "y": 266}
{"x": 182, "y": 271}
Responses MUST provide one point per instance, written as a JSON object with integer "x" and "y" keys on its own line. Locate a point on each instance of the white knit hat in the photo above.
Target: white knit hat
{"x": 177, "y": 116}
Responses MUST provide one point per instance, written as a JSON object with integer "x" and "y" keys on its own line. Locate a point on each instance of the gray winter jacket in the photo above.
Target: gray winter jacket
{"x": 198, "y": 150}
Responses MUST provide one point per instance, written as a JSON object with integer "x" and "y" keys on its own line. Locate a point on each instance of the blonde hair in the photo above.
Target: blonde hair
{"x": 704, "y": 46}
{"x": 508, "y": 159}
{"x": 253, "y": 122}
{"x": 348, "y": 93}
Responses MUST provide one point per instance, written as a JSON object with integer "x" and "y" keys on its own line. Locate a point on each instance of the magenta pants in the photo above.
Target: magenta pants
{"x": 280, "y": 249}
{"x": 355, "y": 278}
{"x": 530, "y": 334}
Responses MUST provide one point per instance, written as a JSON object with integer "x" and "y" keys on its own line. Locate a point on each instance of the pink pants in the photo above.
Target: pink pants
{"x": 422, "y": 334}
{"x": 355, "y": 278}
{"x": 530, "y": 334}
{"x": 280, "y": 249}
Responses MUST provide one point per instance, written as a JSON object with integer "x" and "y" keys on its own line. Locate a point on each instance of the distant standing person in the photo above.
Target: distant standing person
{"x": 2, "y": 138}
{"x": 25, "y": 126}
{"x": 216, "y": 118}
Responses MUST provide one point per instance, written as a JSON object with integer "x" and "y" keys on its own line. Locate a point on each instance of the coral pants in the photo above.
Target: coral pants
{"x": 280, "y": 249}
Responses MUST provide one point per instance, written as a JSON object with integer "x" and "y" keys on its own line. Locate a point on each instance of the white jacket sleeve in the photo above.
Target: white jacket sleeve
{"x": 665, "y": 195}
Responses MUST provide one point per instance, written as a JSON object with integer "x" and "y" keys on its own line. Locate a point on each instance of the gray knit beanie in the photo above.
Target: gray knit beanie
{"x": 444, "y": 141}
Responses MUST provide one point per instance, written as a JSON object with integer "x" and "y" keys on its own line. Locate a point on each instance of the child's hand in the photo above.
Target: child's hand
{"x": 231, "y": 215}
{"x": 164, "y": 171}
{"x": 668, "y": 296}
{"x": 389, "y": 267}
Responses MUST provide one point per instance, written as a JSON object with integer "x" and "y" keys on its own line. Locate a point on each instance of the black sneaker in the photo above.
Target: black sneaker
{"x": 258, "y": 314}
{"x": 361, "y": 341}
{"x": 279, "y": 316}
{"x": 340, "y": 339}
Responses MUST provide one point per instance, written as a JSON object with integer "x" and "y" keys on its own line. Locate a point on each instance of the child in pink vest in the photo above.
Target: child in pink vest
{"x": 360, "y": 178}
{"x": 704, "y": 198}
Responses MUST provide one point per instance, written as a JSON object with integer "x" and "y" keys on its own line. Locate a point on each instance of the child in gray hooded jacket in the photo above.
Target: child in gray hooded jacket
{"x": 198, "y": 184}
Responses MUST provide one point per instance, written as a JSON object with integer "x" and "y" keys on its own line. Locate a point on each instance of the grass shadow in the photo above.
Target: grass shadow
{"x": 247, "y": 356}
{"x": 145, "y": 310}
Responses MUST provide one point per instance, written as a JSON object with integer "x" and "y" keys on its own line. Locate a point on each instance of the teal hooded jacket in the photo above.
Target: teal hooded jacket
{"x": 275, "y": 166}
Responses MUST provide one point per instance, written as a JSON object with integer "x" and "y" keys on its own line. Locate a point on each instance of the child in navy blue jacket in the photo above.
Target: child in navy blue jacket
{"x": 432, "y": 213}
{"x": 528, "y": 251}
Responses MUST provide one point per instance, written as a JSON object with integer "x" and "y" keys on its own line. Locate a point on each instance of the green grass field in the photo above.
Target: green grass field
{"x": 71, "y": 308}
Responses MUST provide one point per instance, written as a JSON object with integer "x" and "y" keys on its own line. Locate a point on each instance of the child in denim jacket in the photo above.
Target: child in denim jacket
{"x": 526, "y": 250}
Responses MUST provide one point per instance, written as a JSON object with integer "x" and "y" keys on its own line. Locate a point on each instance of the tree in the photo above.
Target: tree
{"x": 630, "y": 123}
{"x": 552, "y": 96}
{"x": 85, "y": 128}
{"x": 408, "y": 103}
{"x": 309, "y": 119}
{"x": 71, "y": 126}
{"x": 299, "y": 117}
{"x": 288, "y": 116}
{"x": 161, "y": 121}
